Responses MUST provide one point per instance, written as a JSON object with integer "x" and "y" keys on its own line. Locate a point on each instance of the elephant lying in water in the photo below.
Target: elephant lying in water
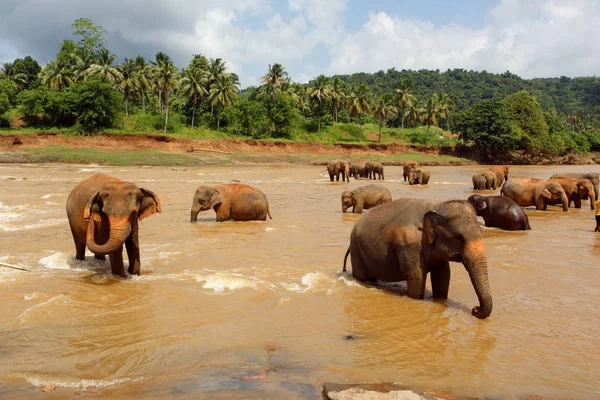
{"x": 103, "y": 215}
{"x": 500, "y": 212}
{"x": 234, "y": 201}
{"x": 408, "y": 238}
{"x": 365, "y": 197}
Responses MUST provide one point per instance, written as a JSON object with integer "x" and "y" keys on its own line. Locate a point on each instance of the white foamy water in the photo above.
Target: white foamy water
{"x": 66, "y": 261}
{"x": 14, "y": 218}
{"x": 222, "y": 281}
{"x": 318, "y": 282}
{"x": 41, "y": 381}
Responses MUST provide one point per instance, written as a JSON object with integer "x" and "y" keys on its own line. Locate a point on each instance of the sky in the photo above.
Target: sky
{"x": 531, "y": 38}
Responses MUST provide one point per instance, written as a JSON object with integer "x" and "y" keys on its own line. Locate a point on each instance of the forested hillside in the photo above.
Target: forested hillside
{"x": 567, "y": 95}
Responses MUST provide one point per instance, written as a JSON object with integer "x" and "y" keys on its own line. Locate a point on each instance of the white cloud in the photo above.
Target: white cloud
{"x": 532, "y": 38}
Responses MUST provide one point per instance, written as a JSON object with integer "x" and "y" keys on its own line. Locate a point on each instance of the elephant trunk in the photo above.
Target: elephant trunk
{"x": 120, "y": 229}
{"x": 564, "y": 199}
{"x": 194, "y": 212}
{"x": 476, "y": 264}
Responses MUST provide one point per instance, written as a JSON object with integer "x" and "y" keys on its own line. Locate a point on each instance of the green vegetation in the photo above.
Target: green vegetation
{"x": 85, "y": 90}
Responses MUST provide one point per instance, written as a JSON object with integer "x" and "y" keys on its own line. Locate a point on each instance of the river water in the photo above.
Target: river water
{"x": 217, "y": 302}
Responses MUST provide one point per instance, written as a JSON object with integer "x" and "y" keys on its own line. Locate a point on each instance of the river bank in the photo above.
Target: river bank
{"x": 147, "y": 149}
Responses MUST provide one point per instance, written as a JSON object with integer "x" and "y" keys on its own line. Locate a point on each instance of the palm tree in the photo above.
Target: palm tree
{"x": 57, "y": 75}
{"x": 274, "y": 79}
{"x": 216, "y": 70}
{"x": 384, "y": 109}
{"x": 320, "y": 91}
{"x": 143, "y": 78}
{"x": 128, "y": 82}
{"x": 166, "y": 80}
{"x": 359, "y": 103}
{"x": 104, "y": 67}
{"x": 414, "y": 113}
{"x": 194, "y": 86}
{"x": 404, "y": 98}
{"x": 222, "y": 94}
{"x": 82, "y": 61}
{"x": 445, "y": 106}
{"x": 17, "y": 79}
{"x": 431, "y": 113}
{"x": 338, "y": 94}
{"x": 299, "y": 93}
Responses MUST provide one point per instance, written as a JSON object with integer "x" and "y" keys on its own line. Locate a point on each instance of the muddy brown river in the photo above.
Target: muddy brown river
{"x": 217, "y": 303}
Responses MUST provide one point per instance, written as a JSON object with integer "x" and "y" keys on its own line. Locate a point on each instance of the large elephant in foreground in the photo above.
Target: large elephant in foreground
{"x": 500, "y": 212}
{"x": 365, "y": 197}
{"x": 103, "y": 215}
{"x": 406, "y": 239}
{"x": 592, "y": 177}
{"x": 234, "y": 201}
{"x": 337, "y": 168}
{"x": 535, "y": 192}
{"x": 576, "y": 189}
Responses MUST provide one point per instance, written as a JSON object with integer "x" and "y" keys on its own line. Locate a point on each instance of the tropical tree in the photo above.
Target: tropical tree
{"x": 414, "y": 113}
{"x": 166, "y": 80}
{"x": 216, "y": 70}
{"x": 384, "y": 109}
{"x": 222, "y": 94}
{"x": 358, "y": 103}
{"x": 338, "y": 95}
{"x": 17, "y": 79}
{"x": 103, "y": 67}
{"x": 57, "y": 75}
{"x": 320, "y": 91}
{"x": 445, "y": 106}
{"x": 194, "y": 85}
{"x": 404, "y": 98}
{"x": 82, "y": 61}
{"x": 275, "y": 77}
{"x": 128, "y": 83}
{"x": 430, "y": 116}
{"x": 299, "y": 94}
{"x": 143, "y": 78}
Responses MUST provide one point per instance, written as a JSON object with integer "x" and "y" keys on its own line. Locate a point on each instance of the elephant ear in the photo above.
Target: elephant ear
{"x": 215, "y": 198}
{"x": 480, "y": 205}
{"x": 87, "y": 211}
{"x": 150, "y": 204}
{"x": 430, "y": 225}
{"x": 546, "y": 193}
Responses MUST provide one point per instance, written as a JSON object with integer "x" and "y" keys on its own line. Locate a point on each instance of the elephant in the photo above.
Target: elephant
{"x": 365, "y": 197}
{"x": 103, "y": 214}
{"x": 535, "y": 192}
{"x": 406, "y": 239}
{"x": 375, "y": 168}
{"x": 408, "y": 165}
{"x": 501, "y": 173}
{"x": 231, "y": 201}
{"x": 418, "y": 176}
{"x": 358, "y": 169}
{"x": 500, "y": 212}
{"x": 337, "y": 168}
{"x": 479, "y": 182}
{"x": 487, "y": 181}
{"x": 593, "y": 177}
{"x": 576, "y": 189}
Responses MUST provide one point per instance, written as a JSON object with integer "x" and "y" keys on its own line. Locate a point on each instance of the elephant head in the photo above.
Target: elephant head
{"x": 413, "y": 176}
{"x": 506, "y": 170}
{"x": 349, "y": 199}
{"x": 554, "y": 191}
{"x": 478, "y": 203}
{"x": 585, "y": 189}
{"x": 204, "y": 199}
{"x": 121, "y": 205}
{"x": 451, "y": 233}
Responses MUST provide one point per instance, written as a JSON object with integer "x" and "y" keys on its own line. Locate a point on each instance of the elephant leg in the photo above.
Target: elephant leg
{"x": 100, "y": 256}
{"x": 410, "y": 260}
{"x": 440, "y": 280}
{"x": 577, "y": 202}
{"x": 330, "y": 178}
{"x": 416, "y": 284}
{"x": 133, "y": 253}
{"x": 116, "y": 262}
{"x": 79, "y": 250}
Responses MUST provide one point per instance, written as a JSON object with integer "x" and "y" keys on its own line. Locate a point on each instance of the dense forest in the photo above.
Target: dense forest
{"x": 86, "y": 90}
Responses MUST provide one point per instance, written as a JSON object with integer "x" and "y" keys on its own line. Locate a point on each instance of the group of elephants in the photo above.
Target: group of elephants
{"x": 400, "y": 240}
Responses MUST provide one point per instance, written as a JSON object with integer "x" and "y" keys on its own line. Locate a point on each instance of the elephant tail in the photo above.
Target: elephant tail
{"x": 346, "y": 258}
{"x": 269, "y": 214}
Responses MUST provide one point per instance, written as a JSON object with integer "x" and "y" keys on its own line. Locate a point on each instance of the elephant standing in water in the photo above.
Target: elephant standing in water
{"x": 408, "y": 165}
{"x": 576, "y": 189}
{"x": 500, "y": 212}
{"x": 418, "y": 176}
{"x": 358, "y": 169}
{"x": 375, "y": 170}
{"x": 485, "y": 180}
{"x": 592, "y": 177}
{"x": 365, "y": 197}
{"x": 501, "y": 173}
{"x": 103, "y": 215}
{"x": 535, "y": 192}
{"x": 234, "y": 201}
{"x": 337, "y": 168}
{"x": 406, "y": 239}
